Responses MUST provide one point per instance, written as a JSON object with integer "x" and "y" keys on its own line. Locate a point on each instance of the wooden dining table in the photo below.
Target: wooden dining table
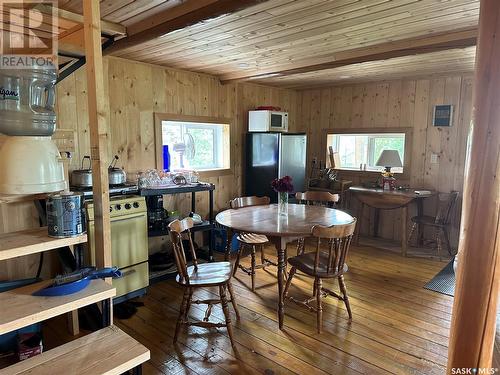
{"x": 280, "y": 229}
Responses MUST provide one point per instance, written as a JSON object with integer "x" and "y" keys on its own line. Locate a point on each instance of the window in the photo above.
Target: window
{"x": 200, "y": 145}
{"x": 356, "y": 149}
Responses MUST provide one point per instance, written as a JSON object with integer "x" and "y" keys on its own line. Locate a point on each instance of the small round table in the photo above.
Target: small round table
{"x": 280, "y": 229}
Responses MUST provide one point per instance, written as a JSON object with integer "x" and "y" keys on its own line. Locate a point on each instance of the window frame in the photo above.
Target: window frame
{"x": 226, "y": 141}
{"x": 408, "y": 132}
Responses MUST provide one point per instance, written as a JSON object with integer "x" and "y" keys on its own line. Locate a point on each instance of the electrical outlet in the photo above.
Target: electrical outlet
{"x": 434, "y": 158}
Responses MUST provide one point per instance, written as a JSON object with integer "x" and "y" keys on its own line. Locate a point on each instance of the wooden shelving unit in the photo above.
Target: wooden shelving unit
{"x": 25, "y": 309}
{"x": 108, "y": 350}
{"x": 31, "y": 241}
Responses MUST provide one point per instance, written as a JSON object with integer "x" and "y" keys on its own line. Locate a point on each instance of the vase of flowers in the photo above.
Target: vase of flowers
{"x": 283, "y": 186}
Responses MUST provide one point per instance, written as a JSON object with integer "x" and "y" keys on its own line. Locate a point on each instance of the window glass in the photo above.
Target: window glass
{"x": 196, "y": 145}
{"x": 359, "y": 149}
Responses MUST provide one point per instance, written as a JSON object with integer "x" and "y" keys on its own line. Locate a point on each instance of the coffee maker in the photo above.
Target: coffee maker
{"x": 157, "y": 215}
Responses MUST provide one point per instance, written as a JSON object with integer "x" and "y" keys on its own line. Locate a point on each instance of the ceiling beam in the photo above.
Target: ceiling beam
{"x": 107, "y": 27}
{"x": 72, "y": 41}
{"x": 188, "y": 13}
{"x": 413, "y": 46}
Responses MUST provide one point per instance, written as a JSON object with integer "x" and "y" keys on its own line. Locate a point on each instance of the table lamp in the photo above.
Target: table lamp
{"x": 389, "y": 159}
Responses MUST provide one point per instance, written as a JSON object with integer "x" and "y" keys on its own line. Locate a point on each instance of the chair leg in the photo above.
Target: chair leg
{"x": 289, "y": 281}
{"x": 253, "y": 268}
{"x": 237, "y": 261}
{"x": 319, "y": 305}
{"x": 447, "y": 240}
{"x": 344, "y": 294}
{"x": 300, "y": 246}
{"x": 412, "y": 231}
{"x": 225, "y": 310}
{"x": 262, "y": 257}
{"x": 182, "y": 310}
{"x": 188, "y": 303}
{"x": 233, "y": 301}
{"x": 439, "y": 245}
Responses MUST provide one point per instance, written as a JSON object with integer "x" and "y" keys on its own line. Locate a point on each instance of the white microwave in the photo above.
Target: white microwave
{"x": 267, "y": 121}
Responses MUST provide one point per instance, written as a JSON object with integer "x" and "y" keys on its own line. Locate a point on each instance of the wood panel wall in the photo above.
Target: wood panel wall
{"x": 134, "y": 92}
{"x": 393, "y": 104}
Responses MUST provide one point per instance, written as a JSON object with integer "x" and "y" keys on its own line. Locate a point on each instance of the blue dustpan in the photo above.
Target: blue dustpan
{"x": 76, "y": 281}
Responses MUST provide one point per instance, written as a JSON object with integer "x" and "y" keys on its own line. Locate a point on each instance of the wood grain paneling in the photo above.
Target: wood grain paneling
{"x": 452, "y": 61}
{"x": 133, "y": 92}
{"x": 393, "y": 104}
{"x": 277, "y": 35}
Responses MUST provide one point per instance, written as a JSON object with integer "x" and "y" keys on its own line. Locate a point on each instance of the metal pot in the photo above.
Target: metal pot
{"x": 82, "y": 177}
{"x": 116, "y": 176}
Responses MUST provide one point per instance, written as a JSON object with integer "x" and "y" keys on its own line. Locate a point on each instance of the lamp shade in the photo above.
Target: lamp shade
{"x": 389, "y": 158}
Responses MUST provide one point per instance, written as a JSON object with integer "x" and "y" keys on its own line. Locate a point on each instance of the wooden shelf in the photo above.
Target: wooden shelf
{"x": 31, "y": 241}
{"x": 107, "y": 351}
{"x": 20, "y": 308}
{"x": 22, "y": 198}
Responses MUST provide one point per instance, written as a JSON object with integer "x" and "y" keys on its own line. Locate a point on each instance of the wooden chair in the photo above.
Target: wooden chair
{"x": 251, "y": 239}
{"x": 216, "y": 274}
{"x": 440, "y": 222}
{"x": 324, "y": 265}
{"x": 322, "y": 198}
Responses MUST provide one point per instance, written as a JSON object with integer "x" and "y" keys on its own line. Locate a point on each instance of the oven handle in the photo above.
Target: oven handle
{"x": 121, "y": 218}
{"x": 129, "y": 272}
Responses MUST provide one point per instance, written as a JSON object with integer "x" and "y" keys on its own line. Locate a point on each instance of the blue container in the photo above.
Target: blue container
{"x": 219, "y": 240}
{"x": 166, "y": 159}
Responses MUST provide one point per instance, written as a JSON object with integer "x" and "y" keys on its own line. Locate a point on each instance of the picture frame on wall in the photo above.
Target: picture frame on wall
{"x": 442, "y": 115}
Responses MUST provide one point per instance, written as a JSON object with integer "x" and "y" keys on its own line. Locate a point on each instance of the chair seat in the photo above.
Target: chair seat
{"x": 207, "y": 274}
{"x": 426, "y": 220}
{"x": 252, "y": 238}
{"x": 305, "y": 263}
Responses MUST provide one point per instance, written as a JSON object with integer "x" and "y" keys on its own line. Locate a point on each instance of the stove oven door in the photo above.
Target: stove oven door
{"x": 129, "y": 240}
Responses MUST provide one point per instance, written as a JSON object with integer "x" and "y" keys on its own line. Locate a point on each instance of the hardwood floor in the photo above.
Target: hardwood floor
{"x": 398, "y": 327}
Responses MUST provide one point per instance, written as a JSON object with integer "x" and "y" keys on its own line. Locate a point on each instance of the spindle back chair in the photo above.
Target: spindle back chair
{"x": 312, "y": 197}
{"x": 440, "y": 222}
{"x": 251, "y": 239}
{"x": 322, "y": 264}
{"x": 200, "y": 275}
{"x": 248, "y": 201}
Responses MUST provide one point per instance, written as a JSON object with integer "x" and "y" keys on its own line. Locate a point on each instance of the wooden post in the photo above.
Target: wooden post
{"x": 99, "y": 131}
{"x": 475, "y": 305}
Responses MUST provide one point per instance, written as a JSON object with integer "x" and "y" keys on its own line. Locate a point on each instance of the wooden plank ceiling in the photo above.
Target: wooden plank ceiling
{"x": 126, "y": 12}
{"x": 413, "y": 66}
{"x": 280, "y": 41}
